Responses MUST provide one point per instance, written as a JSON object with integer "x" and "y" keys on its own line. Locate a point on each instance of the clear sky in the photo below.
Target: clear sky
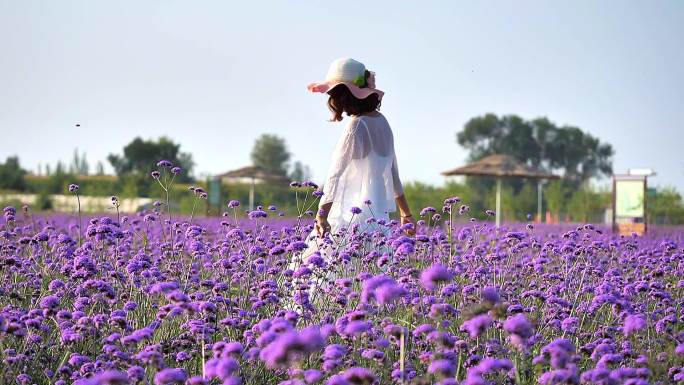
{"x": 214, "y": 75}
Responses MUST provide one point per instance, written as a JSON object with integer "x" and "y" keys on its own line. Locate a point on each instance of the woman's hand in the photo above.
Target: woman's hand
{"x": 405, "y": 213}
{"x": 322, "y": 226}
{"x": 409, "y": 219}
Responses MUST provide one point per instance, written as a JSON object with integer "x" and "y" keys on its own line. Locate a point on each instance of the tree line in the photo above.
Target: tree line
{"x": 561, "y": 149}
{"x": 567, "y": 151}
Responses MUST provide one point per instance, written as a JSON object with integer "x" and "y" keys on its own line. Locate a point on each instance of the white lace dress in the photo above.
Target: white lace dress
{"x": 364, "y": 168}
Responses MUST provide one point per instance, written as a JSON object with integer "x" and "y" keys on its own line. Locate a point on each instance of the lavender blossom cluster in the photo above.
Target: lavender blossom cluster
{"x": 153, "y": 299}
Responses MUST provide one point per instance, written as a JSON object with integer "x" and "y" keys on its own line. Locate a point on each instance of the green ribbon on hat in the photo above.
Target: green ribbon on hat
{"x": 360, "y": 80}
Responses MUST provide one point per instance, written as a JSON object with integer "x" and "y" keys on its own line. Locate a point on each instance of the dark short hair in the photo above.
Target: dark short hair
{"x": 342, "y": 100}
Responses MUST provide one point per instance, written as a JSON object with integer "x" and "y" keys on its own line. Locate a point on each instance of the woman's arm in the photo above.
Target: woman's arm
{"x": 322, "y": 225}
{"x": 405, "y": 213}
{"x": 400, "y": 199}
{"x": 402, "y": 203}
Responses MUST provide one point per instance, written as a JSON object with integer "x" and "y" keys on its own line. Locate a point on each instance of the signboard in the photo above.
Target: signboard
{"x": 629, "y": 204}
{"x": 629, "y": 198}
{"x": 214, "y": 198}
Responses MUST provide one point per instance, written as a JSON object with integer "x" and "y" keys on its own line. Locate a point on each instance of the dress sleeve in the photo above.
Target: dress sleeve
{"x": 352, "y": 145}
{"x": 398, "y": 187}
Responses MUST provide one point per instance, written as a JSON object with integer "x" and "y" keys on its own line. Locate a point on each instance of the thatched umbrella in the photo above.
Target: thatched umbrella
{"x": 503, "y": 166}
{"x": 253, "y": 173}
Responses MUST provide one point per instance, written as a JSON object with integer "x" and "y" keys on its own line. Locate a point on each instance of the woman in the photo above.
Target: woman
{"x": 363, "y": 180}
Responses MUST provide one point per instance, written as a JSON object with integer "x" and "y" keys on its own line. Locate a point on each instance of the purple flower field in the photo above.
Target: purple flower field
{"x": 145, "y": 300}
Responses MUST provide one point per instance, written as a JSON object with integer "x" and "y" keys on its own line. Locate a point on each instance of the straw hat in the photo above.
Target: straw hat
{"x": 352, "y": 74}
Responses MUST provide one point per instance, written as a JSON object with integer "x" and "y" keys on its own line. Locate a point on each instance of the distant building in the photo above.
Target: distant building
{"x": 251, "y": 175}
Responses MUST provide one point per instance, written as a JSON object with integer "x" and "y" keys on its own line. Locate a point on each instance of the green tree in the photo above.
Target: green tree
{"x": 421, "y": 195}
{"x": 79, "y": 164}
{"x": 300, "y": 172}
{"x": 60, "y": 169}
{"x": 59, "y": 179}
{"x": 12, "y": 175}
{"x": 538, "y": 143}
{"x": 99, "y": 169}
{"x": 509, "y": 211}
{"x": 270, "y": 152}
{"x": 579, "y": 155}
{"x": 131, "y": 186}
{"x": 585, "y": 206}
{"x": 666, "y": 207}
{"x": 141, "y": 156}
{"x": 555, "y": 194}
{"x": 525, "y": 202}
{"x": 511, "y": 135}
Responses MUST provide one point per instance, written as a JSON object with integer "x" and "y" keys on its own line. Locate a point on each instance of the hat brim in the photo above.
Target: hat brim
{"x": 358, "y": 92}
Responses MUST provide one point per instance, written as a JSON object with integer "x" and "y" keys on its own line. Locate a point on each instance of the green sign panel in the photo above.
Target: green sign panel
{"x": 214, "y": 192}
{"x": 629, "y": 198}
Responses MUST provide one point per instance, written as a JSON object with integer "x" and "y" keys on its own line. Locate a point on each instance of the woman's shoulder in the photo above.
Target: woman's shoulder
{"x": 370, "y": 121}
{"x": 355, "y": 122}
{"x": 373, "y": 117}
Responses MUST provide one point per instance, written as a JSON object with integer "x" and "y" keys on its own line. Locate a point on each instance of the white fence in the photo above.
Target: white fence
{"x": 67, "y": 203}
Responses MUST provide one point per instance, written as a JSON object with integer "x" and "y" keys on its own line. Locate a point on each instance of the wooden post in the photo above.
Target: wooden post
{"x": 614, "y": 224}
{"x": 539, "y": 200}
{"x": 498, "y": 202}
{"x": 645, "y": 204}
{"x": 402, "y": 355}
{"x": 251, "y": 195}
